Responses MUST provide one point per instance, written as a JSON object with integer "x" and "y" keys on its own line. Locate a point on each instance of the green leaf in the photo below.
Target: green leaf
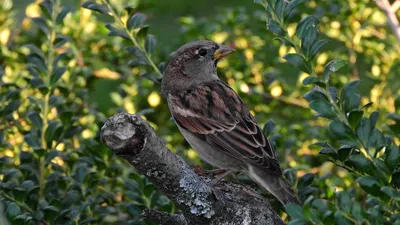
{"x": 150, "y": 44}
{"x": 56, "y": 100}
{"x": 117, "y": 32}
{"x": 344, "y": 201}
{"x": 136, "y": 21}
{"x": 284, "y": 41}
{"x": 323, "y": 108}
{"x": 12, "y": 211}
{"x": 275, "y": 28}
{"x": 343, "y": 152}
{"x": 315, "y": 94}
{"x": 373, "y": 118}
{"x": 294, "y": 211}
{"x": 37, "y": 61}
{"x": 290, "y": 175}
{"x": 305, "y": 180}
{"x": 11, "y": 107}
{"x": 35, "y": 119}
{"x": 21, "y": 219}
{"x": 333, "y": 66}
{"x": 33, "y": 141}
{"x": 1, "y": 137}
{"x": 353, "y": 103}
{"x": 138, "y": 62}
{"x": 392, "y": 157}
{"x": 316, "y": 47}
{"x": 350, "y": 96}
{"x": 260, "y": 2}
{"x": 376, "y": 140}
{"x": 393, "y": 116}
{"x": 391, "y": 192}
{"x": 151, "y": 76}
{"x": 136, "y": 52}
{"x": 292, "y": 4}
{"x": 298, "y": 61}
{"x": 280, "y": 7}
{"x": 142, "y": 34}
{"x": 340, "y": 130}
{"x": 360, "y": 163}
{"x": 56, "y": 75}
{"x": 376, "y": 215}
{"x": 41, "y": 23}
{"x": 396, "y": 179}
{"x": 13, "y": 95}
{"x": 357, "y": 211}
{"x": 60, "y": 41}
{"x": 341, "y": 219}
{"x": 96, "y": 7}
{"x": 366, "y": 106}
{"x": 134, "y": 210}
{"x": 311, "y": 80}
{"x": 370, "y": 184}
{"x": 269, "y": 126}
{"x": 383, "y": 170}
{"x": 308, "y": 32}
{"x": 354, "y": 118}
{"x": 60, "y": 17}
{"x": 363, "y": 130}
{"x": 35, "y": 51}
{"x": 50, "y": 212}
{"x": 47, "y": 8}
{"x": 127, "y": 12}
{"x": 329, "y": 151}
{"x": 53, "y": 132}
{"x": 298, "y": 222}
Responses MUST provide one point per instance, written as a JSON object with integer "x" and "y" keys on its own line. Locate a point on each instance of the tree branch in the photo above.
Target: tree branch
{"x": 395, "y": 6}
{"x": 163, "y": 217}
{"x": 132, "y": 138}
{"x": 390, "y": 11}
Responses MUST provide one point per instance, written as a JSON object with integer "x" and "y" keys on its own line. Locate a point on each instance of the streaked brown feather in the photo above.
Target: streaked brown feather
{"x": 216, "y": 114}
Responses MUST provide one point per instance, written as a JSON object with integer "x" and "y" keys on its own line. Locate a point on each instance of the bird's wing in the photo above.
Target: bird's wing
{"x": 216, "y": 114}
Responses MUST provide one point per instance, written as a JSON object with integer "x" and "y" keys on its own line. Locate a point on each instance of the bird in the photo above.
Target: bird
{"x": 215, "y": 121}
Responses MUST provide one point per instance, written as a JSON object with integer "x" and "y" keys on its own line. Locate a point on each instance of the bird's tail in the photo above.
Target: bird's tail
{"x": 276, "y": 185}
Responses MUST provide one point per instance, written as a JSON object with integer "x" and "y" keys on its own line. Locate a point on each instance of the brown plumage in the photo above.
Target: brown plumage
{"x": 215, "y": 121}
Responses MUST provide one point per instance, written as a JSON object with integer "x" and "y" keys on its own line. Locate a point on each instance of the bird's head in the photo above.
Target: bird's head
{"x": 198, "y": 59}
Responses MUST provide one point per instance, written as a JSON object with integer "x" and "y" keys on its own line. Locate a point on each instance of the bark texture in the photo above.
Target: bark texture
{"x": 225, "y": 203}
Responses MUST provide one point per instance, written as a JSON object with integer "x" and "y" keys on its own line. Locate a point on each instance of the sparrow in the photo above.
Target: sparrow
{"x": 215, "y": 121}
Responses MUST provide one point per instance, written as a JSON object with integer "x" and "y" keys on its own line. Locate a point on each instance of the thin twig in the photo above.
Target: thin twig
{"x": 395, "y": 6}
{"x": 390, "y": 11}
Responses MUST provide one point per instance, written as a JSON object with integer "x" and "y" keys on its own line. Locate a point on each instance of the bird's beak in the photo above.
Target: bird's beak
{"x": 223, "y": 51}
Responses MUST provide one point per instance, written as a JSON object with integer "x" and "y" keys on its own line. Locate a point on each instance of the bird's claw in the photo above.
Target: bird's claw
{"x": 211, "y": 173}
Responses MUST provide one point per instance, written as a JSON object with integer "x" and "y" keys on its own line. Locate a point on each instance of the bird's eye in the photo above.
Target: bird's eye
{"x": 202, "y": 52}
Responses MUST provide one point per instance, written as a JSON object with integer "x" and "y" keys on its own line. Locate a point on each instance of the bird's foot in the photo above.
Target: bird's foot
{"x": 220, "y": 177}
{"x": 212, "y": 173}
